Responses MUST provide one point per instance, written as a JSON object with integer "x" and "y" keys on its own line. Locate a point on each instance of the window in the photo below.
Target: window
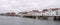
{"x": 56, "y": 13}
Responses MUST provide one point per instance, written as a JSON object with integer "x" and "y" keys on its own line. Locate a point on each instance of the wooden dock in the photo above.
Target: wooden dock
{"x": 44, "y": 17}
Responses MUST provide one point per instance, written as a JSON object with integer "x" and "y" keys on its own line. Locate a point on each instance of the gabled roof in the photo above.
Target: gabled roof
{"x": 54, "y": 9}
{"x": 45, "y": 9}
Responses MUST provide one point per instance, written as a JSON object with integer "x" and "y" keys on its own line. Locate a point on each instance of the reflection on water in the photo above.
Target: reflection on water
{"x": 25, "y": 21}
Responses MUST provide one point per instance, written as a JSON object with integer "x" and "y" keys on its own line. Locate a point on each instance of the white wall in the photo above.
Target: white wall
{"x": 51, "y": 13}
{"x": 37, "y": 14}
{"x": 48, "y": 13}
{"x": 59, "y": 12}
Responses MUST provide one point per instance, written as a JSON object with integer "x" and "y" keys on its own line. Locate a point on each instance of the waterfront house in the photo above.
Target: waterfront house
{"x": 10, "y": 14}
{"x": 47, "y": 13}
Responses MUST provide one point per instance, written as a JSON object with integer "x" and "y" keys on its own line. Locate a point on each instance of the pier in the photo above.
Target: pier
{"x": 44, "y": 17}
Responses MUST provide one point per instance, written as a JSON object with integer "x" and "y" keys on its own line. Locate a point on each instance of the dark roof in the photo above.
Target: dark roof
{"x": 54, "y": 9}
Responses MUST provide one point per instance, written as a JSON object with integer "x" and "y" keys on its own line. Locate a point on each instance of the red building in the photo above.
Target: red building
{"x": 45, "y": 10}
{"x": 36, "y": 11}
{"x": 10, "y": 14}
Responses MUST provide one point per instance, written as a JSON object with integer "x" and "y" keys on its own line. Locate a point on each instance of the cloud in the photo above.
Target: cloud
{"x": 26, "y": 5}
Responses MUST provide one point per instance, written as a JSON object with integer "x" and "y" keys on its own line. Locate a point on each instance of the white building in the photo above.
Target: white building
{"x": 58, "y": 12}
{"x": 48, "y": 12}
{"x": 52, "y": 12}
{"x": 55, "y": 11}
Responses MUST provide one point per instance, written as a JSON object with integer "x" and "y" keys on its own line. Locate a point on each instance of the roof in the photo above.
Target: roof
{"x": 54, "y": 9}
{"x": 45, "y": 9}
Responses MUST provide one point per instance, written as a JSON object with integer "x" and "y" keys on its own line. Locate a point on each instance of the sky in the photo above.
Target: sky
{"x": 27, "y": 5}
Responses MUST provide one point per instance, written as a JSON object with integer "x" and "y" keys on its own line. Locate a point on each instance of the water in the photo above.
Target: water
{"x": 25, "y": 21}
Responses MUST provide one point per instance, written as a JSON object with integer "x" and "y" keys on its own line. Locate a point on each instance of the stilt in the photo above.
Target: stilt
{"x": 22, "y": 16}
{"x": 59, "y": 18}
{"x": 36, "y": 17}
{"x": 55, "y": 18}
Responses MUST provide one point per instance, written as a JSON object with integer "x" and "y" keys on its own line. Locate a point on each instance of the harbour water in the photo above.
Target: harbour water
{"x": 7, "y": 20}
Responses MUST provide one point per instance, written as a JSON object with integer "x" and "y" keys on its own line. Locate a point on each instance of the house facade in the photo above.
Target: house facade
{"x": 47, "y": 12}
{"x": 11, "y": 14}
